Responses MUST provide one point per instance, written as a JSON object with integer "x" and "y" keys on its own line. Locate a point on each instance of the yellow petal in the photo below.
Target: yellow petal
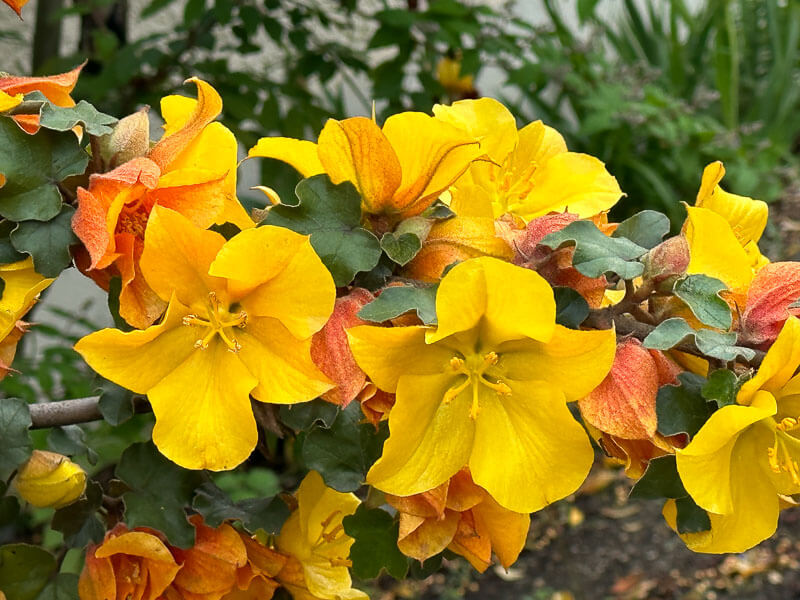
{"x": 714, "y": 249}
{"x": 22, "y": 284}
{"x": 138, "y": 360}
{"x": 356, "y": 150}
{"x": 779, "y": 364}
{"x": 292, "y": 286}
{"x": 498, "y": 296}
{"x": 387, "y": 353}
{"x": 705, "y": 466}
{"x": 429, "y": 440}
{"x": 281, "y": 363}
{"x": 432, "y": 155}
{"x": 203, "y": 414}
{"x": 539, "y": 143}
{"x": 746, "y": 216}
{"x": 7, "y": 102}
{"x": 484, "y": 119}
{"x": 569, "y": 181}
{"x": 574, "y": 362}
{"x": 528, "y": 451}
{"x": 754, "y": 505}
{"x": 176, "y": 258}
{"x": 300, "y": 154}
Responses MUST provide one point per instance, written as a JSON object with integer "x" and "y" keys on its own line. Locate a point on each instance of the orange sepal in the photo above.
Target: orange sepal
{"x": 56, "y": 88}
{"x": 774, "y": 288}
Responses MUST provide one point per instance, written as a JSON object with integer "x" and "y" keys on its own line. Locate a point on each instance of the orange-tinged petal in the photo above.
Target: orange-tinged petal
{"x": 473, "y": 292}
{"x": 706, "y": 466}
{"x": 176, "y": 258}
{"x": 432, "y": 155}
{"x": 56, "y": 88}
{"x": 196, "y": 194}
{"x": 472, "y": 541}
{"x": 356, "y": 150}
{"x": 574, "y": 362}
{"x": 774, "y": 288}
{"x": 546, "y": 454}
{"x": 97, "y": 581}
{"x": 139, "y": 305}
{"x": 462, "y": 493}
{"x": 422, "y": 426}
{"x": 388, "y": 353}
{"x": 778, "y": 366}
{"x": 138, "y": 360}
{"x": 280, "y": 362}
{"x": 569, "y": 181}
{"x": 624, "y": 404}
{"x": 507, "y": 530}
{"x": 209, "y": 105}
{"x": 300, "y": 154}
{"x": 430, "y": 537}
{"x": 293, "y": 287}
{"x": 16, "y": 6}
{"x": 484, "y": 119}
{"x": 330, "y": 350}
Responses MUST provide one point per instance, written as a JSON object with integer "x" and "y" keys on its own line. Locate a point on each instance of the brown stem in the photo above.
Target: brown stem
{"x": 70, "y": 412}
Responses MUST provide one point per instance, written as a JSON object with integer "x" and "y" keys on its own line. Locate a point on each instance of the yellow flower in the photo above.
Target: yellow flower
{"x": 723, "y": 230}
{"x": 399, "y": 169}
{"x": 488, "y": 388}
{"x": 50, "y": 480}
{"x": 747, "y": 454}
{"x": 240, "y": 317}
{"x": 529, "y": 172}
{"x": 448, "y": 72}
{"x": 318, "y": 548}
{"x": 21, "y": 287}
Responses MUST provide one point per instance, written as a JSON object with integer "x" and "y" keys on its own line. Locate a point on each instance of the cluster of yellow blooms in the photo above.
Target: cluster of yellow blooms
{"x": 478, "y": 404}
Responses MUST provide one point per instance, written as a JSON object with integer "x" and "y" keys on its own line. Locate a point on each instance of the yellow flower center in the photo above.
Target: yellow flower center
{"x": 475, "y": 368}
{"x": 778, "y": 455}
{"x": 512, "y": 183}
{"x": 329, "y": 536}
{"x": 218, "y": 321}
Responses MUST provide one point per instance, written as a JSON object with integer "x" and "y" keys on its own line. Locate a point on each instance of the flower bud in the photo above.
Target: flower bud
{"x": 669, "y": 258}
{"x": 50, "y": 480}
{"x": 130, "y": 139}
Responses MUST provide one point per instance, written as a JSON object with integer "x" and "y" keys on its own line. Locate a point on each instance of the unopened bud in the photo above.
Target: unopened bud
{"x": 130, "y": 139}
{"x": 50, "y": 480}
{"x": 669, "y": 259}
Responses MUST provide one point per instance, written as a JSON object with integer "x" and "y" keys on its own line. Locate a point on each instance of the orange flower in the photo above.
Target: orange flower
{"x": 16, "y": 6}
{"x": 128, "y": 565}
{"x": 210, "y": 568}
{"x": 191, "y": 171}
{"x": 331, "y": 352}
{"x": 256, "y": 579}
{"x": 463, "y": 517}
{"x": 56, "y": 88}
{"x": 621, "y": 411}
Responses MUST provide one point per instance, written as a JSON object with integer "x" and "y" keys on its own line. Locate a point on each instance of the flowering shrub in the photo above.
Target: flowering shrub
{"x": 439, "y": 333}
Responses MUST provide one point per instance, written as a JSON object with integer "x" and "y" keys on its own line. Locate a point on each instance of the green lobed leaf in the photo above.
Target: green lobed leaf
{"x": 721, "y": 387}
{"x": 114, "y": 290}
{"x": 691, "y": 518}
{"x": 660, "y": 480}
{"x": 64, "y": 586}
{"x": 60, "y": 118}
{"x": 7, "y": 252}
{"x": 571, "y": 308}
{"x": 24, "y": 570}
{"x": 397, "y": 300}
{"x": 9, "y": 507}
{"x": 303, "y": 416}
{"x": 595, "y": 252}
{"x": 79, "y": 521}
{"x": 344, "y": 453}
{"x": 115, "y": 404}
{"x": 70, "y": 440}
{"x": 16, "y": 446}
{"x": 267, "y": 514}
{"x": 668, "y": 334}
{"x": 331, "y": 215}
{"x": 401, "y": 247}
{"x": 48, "y": 243}
{"x": 375, "y": 548}
{"x": 701, "y": 295}
{"x": 160, "y": 491}
{"x": 682, "y": 408}
{"x": 721, "y": 345}
{"x": 646, "y": 228}
{"x": 33, "y": 167}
